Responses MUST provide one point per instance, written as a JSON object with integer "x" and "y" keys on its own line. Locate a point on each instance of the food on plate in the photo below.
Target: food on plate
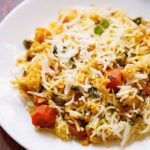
{"x": 87, "y": 76}
{"x": 44, "y": 116}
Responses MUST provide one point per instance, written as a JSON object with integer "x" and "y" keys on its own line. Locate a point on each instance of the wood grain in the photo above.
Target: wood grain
{"x": 6, "y": 142}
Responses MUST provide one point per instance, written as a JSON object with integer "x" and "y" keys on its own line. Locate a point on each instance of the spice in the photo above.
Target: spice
{"x": 138, "y": 20}
{"x": 27, "y": 43}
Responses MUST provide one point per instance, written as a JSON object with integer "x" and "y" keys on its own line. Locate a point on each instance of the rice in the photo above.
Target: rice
{"x": 71, "y": 66}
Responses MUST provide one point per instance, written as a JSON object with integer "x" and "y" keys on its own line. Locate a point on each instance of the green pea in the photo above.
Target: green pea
{"x": 98, "y": 30}
{"x": 105, "y": 24}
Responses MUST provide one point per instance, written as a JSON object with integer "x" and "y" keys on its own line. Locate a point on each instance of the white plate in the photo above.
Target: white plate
{"x": 19, "y": 25}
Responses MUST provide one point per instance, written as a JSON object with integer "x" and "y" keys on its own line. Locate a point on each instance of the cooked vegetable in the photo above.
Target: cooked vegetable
{"x": 27, "y": 43}
{"x": 92, "y": 65}
{"x": 79, "y": 135}
{"x": 115, "y": 77}
{"x": 98, "y": 30}
{"x": 44, "y": 116}
{"x": 138, "y": 20}
{"x": 105, "y": 24}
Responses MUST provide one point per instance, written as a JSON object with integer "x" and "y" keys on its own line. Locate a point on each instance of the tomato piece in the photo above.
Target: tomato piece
{"x": 44, "y": 116}
{"x": 79, "y": 135}
{"x": 115, "y": 77}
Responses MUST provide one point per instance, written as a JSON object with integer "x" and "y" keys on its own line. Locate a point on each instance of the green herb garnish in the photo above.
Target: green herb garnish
{"x": 105, "y": 24}
{"x": 55, "y": 50}
{"x": 93, "y": 91}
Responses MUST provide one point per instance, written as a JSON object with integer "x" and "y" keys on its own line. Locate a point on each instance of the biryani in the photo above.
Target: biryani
{"x": 87, "y": 76}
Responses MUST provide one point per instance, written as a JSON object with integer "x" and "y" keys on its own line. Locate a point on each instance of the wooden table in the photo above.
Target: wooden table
{"x": 6, "y": 142}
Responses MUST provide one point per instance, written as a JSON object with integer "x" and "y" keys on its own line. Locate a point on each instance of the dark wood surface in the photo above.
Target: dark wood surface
{"x": 6, "y": 142}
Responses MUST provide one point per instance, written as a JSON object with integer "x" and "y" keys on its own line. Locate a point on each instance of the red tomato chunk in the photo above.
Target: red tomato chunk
{"x": 115, "y": 77}
{"x": 44, "y": 116}
{"x": 79, "y": 135}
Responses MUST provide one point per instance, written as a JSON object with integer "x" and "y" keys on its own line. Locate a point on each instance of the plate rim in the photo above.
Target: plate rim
{"x": 2, "y": 23}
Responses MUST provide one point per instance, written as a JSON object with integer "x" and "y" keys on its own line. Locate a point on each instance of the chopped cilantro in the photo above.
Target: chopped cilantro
{"x": 55, "y": 50}
{"x": 93, "y": 91}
